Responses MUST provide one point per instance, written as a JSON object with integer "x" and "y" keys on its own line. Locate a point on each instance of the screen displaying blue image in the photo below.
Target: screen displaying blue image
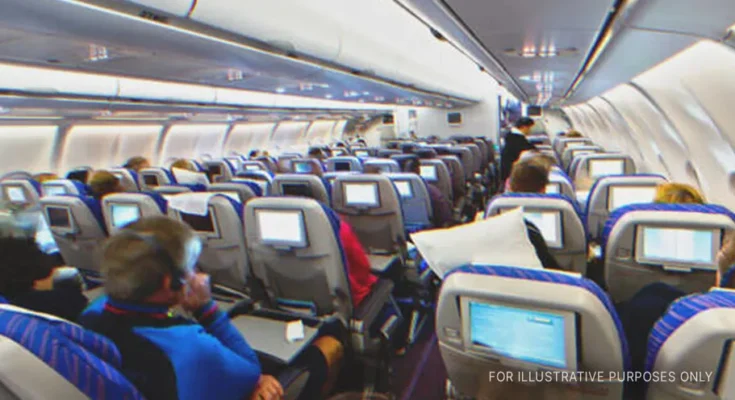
{"x": 302, "y": 167}
{"x": 526, "y": 335}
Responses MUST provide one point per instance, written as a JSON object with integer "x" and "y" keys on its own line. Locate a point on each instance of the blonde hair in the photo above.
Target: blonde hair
{"x": 678, "y": 193}
{"x": 45, "y": 177}
{"x": 183, "y": 163}
{"x": 574, "y": 134}
{"x": 104, "y": 182}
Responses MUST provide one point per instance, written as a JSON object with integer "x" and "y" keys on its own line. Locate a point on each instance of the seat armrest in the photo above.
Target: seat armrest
{"x": 371, "y": 306}
{"x": 293, "y": 380}
{"x": 285, "y": 316}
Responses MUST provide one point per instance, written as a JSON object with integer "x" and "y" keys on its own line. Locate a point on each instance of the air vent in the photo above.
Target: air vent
{"x": 150, "y": 15}
{"x": 532, "y": 52}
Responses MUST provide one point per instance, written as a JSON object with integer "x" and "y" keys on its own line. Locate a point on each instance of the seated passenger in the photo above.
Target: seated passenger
{"x": 185, "y": 164}
{"x": 358, "y": 265}
{"x": 31, "y": 279}
{"x": 573, "y": 134}
{"x": 443, "y": 215}
{"x": 45, "y": 177}
{"x": 103, "y": 183}
{"x": 149, "y": 269}
{"x": 80, "y": 175}
{"x": 639, "y": 314}
{"x": 532, "y": 176}
{"x": 253, "y": 154}
{"x": 137, "y": 163}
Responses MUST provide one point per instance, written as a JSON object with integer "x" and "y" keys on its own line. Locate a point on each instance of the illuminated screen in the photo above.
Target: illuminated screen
{"x": 361, "y": 194}
{"x": 123, "y": 214}
{"x": 233, "y": 195}
{"x": 600, "y": 168}
{"x": 677, "y": 245}
{"x": 302, "y": 167}
{"x": 553, "y": 188}
{"x": 54, "y": 190}
{"x": 150, "y": 180}
{"x": 362, "y": 153}
{"x": 253, "y": 167}
{"x": 573, "y": 145}
{"x": 526, "y": 335}
{"x": 342, "y": 166}
{"x": 295, "y": 189}
{"x": 281, "y": 227}
{"x": 404, "y": 188}
{"x": 200, "y": 223}
{"x": 15, "y": 194}
{"x": 428, "y": 172}
{"x": 58, "y": 217}
{"x": 621, "y": 196}
{"x": 549, "y": 223}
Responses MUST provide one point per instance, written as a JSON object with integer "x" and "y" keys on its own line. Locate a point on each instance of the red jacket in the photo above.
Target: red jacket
{"x": 358, "y": 265}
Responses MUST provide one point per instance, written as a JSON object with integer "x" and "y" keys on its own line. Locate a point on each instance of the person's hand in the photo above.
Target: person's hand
{"x": 198, "y": 293}
{"x": 268, "y": 389}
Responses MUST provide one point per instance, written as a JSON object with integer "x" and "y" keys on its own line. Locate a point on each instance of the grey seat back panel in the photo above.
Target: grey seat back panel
{"x": 443, "y": 178}
{"x": 416, "y": 209}
{"x": 244, "y": 191}
{"x": 315, "y": 184}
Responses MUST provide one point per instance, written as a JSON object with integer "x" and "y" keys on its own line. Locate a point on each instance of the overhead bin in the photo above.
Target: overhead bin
{"x": 50, "y": 81}
{"x": 156, "y": 90}
{"x": 244, "y": 98}
{"x": 176, "y": 7}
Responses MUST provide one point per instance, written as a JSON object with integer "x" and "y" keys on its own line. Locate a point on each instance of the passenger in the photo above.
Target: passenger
{"x": 45, "y": 177}
{"x": 443, "y": 215}
{"x": 253, "y": 154}
{"x": 80, "y": 175}
{"x": 31, "y": 279}
{"x": 515, "y": 144}
{"x": 103, "y": 183}
{"x": 532, "y": 176}
{"x": 358, "y": 264}
{"x": 573, "y": 134}
{"x": 149, "y": 269}
{"x": 184, "y": 164}
{"x": 678, "y": 193}
{"x": 137, "y": 163}
{"x": 317, "y": 153}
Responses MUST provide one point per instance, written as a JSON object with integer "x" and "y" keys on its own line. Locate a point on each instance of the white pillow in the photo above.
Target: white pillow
{"x": 500, "y": 240}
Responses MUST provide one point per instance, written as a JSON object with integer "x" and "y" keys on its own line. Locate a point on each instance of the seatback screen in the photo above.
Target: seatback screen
{"x": 150, "y": 180}
{"x": 404, "y": 189}
{"x": 214, "y": 169}
{"x": 677, "y": 246}
{"x": 342, "y": 166}
{"x": 428, "y": 172}
{"x": 295, "y": 189}
{"x": 361, "y": 153}
{"x": 54, "y": 190}
{"x": 621, "y": 196}
{"x": 58, "y": 217}
{"x": 599, "y": 168}
{"x": 281, "y": 227}
{"x": 549, "y": 223}
{"x": 15, "y": 194}
{"x": 123, "y": 214}
{"x": 526, "y": 335}
{"x": 302, "y": 167}
{"x": 553, "y": 188}
{"x": 361, "y": 194}
{"x": 200, "y": 223}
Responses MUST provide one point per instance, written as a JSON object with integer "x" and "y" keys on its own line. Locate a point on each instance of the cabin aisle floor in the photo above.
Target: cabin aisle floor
{"x": 420, "y": 373}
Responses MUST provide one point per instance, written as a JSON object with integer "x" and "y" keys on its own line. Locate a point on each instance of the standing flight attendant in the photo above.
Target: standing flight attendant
{"x": 515, "y": 144}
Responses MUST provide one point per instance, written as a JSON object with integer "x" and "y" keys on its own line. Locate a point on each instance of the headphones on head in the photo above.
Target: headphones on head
{"x": 178, "y": 279}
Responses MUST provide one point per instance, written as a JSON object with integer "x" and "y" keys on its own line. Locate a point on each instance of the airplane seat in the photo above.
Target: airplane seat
{"x": 456, "y": 172}
{"x": 80, "y": 174}
{"x": 219, "y": 171}
{"x": 251, "y": 165}
{"x": 64, "y": 186}
{"x": 485, "y": 152}
{"x": 694, "y": 337}
{"x": 612, "y": 192}
{"x": 128, "y": 178}
{"x": 671, "y": 243}
{"x": 559, "y": 220}
{"x": 120, "y": 209}
{"x": 415, "y": 201}
{"x": 78, "y": 227}
{"x": 299, "y": 185}
{"x": 307, "y": 166}
{"x": 539, "y": 140}
{"x": 402, "y": 159}
{"x": 150, "y": 178}
{"x": 218, "y": 220}
{"x": 573, "y": 152}
{"x": 591, "y": 167}
{"x": 436, "y": 172}
{"x": 344, "y": 164}
{"x": 22, "y": 193}
{"x": 370, "y": 204}
{"x": 365, "y": 152}
{"x": 466, "y": 158}
{"x": 238, "y": 191}
{"x": 380, "y": 165}
{"x": 235, "y": 163}
{"x": 263, "y": 178}
{"x": 492, "y": 318}
{"x": 56, "y": 359}
{"x": 562, "y": 144}
{"x": 259, "y": 188}
{"x": 426, "y": 152}
{"x": 269, "y": 162}
{"x": 559, "y": 183}
{"x": 387, "y": 153}
{"x": 476, "y": 156}
{"x": 296, "y": 251}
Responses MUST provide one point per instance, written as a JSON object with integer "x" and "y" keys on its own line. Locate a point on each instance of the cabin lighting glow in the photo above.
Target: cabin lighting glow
{"x": 280, "y": 90}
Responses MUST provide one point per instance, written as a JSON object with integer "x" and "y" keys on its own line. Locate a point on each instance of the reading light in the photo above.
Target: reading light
{"x": 280, "y": 90}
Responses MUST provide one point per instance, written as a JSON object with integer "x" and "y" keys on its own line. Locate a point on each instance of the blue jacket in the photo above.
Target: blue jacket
{"x": 173, "y": 358}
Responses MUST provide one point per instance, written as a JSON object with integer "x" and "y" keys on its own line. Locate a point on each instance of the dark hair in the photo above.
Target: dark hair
{"x": 412, "y": 166}
{"x": 525, "y": 122}
{"x": 80, "y": 175}
{"x": 22, "y": 264}
{"x": 528, "y": 176}
{"x": 253, "y": 153}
